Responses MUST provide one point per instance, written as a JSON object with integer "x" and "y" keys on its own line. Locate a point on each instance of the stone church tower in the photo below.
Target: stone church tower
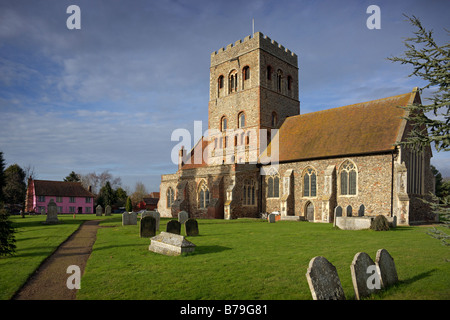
{"x": 253, "y": 86}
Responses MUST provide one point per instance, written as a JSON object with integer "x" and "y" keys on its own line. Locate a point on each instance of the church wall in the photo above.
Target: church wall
{"x": 374, "y": 174}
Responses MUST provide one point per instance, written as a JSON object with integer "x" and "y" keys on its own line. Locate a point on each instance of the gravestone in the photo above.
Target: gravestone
{"x": 365, "y": 277}
{"x": 349, "y": 211}
{"x": 52, "y": 212}
{"x": 191, "y": 227}
{"x": 173, "y": 226}
{"x": 129, "y": 218}
{"x": 386, "y": 268}
{"x": 147, "y": 227}
{"x": 361, "y": 211}
{"x": 182, "y": 217}
{"x": 98, "y": 210}
{"x": 323, "y": 280}
{"x": 157, "y": 216}
{"x": 272, "y": 217}
{"x": 338, "y": 211}
{"x": 170, "y": 244}
{"x": 108, "y": 210}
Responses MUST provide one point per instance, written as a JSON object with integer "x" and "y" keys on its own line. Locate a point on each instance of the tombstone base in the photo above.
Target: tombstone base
{"x": 170, "y": 244}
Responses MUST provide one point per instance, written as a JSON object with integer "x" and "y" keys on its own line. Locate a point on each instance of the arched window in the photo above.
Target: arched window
{"x": 273, "y": 187}
{"x": 241, "y": 120}
{"x": 233, "y": 81}
{"x": 274, "y": 119}
{"x": 203, "y": 195}
{"x": 289, "y": 83}
{"x": 223, "y": 124}
{"x": 246, "y": 73}
{"x": 309, "y": 183}
{"x": 348, "y": 178}
{"x": 279, "y": 79}
{"x": 220, "y": 82}
{"x": 170, "y": 197}
{"x": 249, "y": 194}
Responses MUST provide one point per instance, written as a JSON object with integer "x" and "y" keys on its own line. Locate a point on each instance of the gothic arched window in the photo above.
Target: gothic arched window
{"x": 170, "y": 197}
{"x": 203, "y": 195}
{"x": 348, "y": 178}
{"x": 273, "y": 187}
{"x": 223, "y": 124}
{"x": 249, "y": 195}
{"x": 310, "y": 183}
{"x": 233, "y": 81}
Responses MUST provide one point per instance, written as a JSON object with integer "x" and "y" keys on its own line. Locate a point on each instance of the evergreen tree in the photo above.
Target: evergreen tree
{"x": 7, "y": 237}
{"x": 128, "y": 206}
{"x": 431, "y": 122}
{"x": 72, "y": 177}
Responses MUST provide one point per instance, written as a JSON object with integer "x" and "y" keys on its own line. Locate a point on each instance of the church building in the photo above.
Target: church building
{"x": 262, "y": 156}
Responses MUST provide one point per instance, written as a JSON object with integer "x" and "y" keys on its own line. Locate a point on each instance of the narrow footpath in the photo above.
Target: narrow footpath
{"x": 49, "y": 280}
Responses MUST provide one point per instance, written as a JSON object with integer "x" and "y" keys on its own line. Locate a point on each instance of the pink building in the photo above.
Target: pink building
{"x": 70, "y": 197}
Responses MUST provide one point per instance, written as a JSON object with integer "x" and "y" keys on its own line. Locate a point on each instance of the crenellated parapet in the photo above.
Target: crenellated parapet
{"x": 258, "y": 41}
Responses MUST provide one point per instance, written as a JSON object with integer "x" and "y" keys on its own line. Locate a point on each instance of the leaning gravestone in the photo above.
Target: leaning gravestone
{"x": 52, "y": 212}
{"x": 323, "y": 280}
{"x": 173, "y": 226}
{"x": 349, "y": 211}
{"x": 108, "y": 210}
{"x": 365, "y": 277}
{"x": 129, "y": 218}
{"x": 191, "y": 227}
{"x": 386, "y": 268}
{"x": 170, "y": 244}
{"x": 361, "y": 211}
{"x": 147, "y": 227}
{"x": 182, "y": 217}
{"x": 98, "y": 210}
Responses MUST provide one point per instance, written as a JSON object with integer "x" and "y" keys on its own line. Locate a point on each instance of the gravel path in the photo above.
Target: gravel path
{"x": 49, "y": 280}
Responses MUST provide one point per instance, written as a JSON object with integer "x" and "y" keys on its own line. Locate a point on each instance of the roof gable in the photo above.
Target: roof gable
{"x": 60, "y": 189}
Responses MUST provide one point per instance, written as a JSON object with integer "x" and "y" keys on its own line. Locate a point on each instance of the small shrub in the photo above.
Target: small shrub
{"x": 380, "y": 223}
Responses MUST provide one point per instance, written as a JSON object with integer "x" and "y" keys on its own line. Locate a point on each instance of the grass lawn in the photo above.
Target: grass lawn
{"x": 252, "y": 259}
{"x": 34, "y": 242}
{"x": 239, "y": 259}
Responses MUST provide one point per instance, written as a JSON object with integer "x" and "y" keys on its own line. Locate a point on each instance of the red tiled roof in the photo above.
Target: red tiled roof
{"x": 60, "y": 189}
{"x": 367, "y": 127}
{"x": 190, "y": 161}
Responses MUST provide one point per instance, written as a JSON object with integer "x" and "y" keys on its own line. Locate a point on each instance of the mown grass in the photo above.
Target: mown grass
{"x": 252, "y": 259}
{"x": 35, "y": 242}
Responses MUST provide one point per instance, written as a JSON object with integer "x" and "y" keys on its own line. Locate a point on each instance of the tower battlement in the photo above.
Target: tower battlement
{"x": 258, "y": 41}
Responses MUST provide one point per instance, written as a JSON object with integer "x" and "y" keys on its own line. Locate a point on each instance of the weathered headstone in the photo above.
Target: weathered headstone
{"x": 157, "y": 216}
{"x": 386, "y": 268}
{"x": 147, "y": 227}
{"x": 323, "y": 280}
{"x": 182, "y": 217}
{"x": 129, "y": 218}
{"x": 108, "y": 210}
{"x": 173, "y": 226}
{"x": 98, "y": 210}
{"x": 272, "y": 217}
{"x": 52, "y": 212}
{"x": 365, "y": 277}
{"x": 361, "y": 210}
{"x": 170, "y": 244}
{"x": 349, "y": 211}
{"x": 338, "y": 211}
{"x": 191, "y": 227}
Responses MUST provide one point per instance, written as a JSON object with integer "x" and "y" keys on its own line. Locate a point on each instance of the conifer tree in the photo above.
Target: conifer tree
{"x": 7, "y": 238}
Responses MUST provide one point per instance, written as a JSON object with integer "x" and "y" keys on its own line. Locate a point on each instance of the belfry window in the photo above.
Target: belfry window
{"x": 279, "y": 80}
{"x": 348, "y": 178}
{"x": 233, "y": 82}
{"x": 274, "y": 119}
{"x": 246, "y": 73}
{"x": 289, "y": 83}
{"x": 223, "y": 124}
{"x": 241, "y": 119}
{"x": 269, "y": 73}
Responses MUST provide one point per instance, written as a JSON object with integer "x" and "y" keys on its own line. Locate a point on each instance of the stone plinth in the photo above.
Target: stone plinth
{"x": 170, "y": 244}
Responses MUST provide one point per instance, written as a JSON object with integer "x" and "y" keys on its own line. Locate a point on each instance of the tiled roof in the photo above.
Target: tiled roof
{"x": 60, "y": 189}
{"x": 190, "y": 162}
{"x": 362, "y": 128}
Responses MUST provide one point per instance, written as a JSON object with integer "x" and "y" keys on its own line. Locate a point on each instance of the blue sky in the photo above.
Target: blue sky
{"x": 109, "y": 96}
